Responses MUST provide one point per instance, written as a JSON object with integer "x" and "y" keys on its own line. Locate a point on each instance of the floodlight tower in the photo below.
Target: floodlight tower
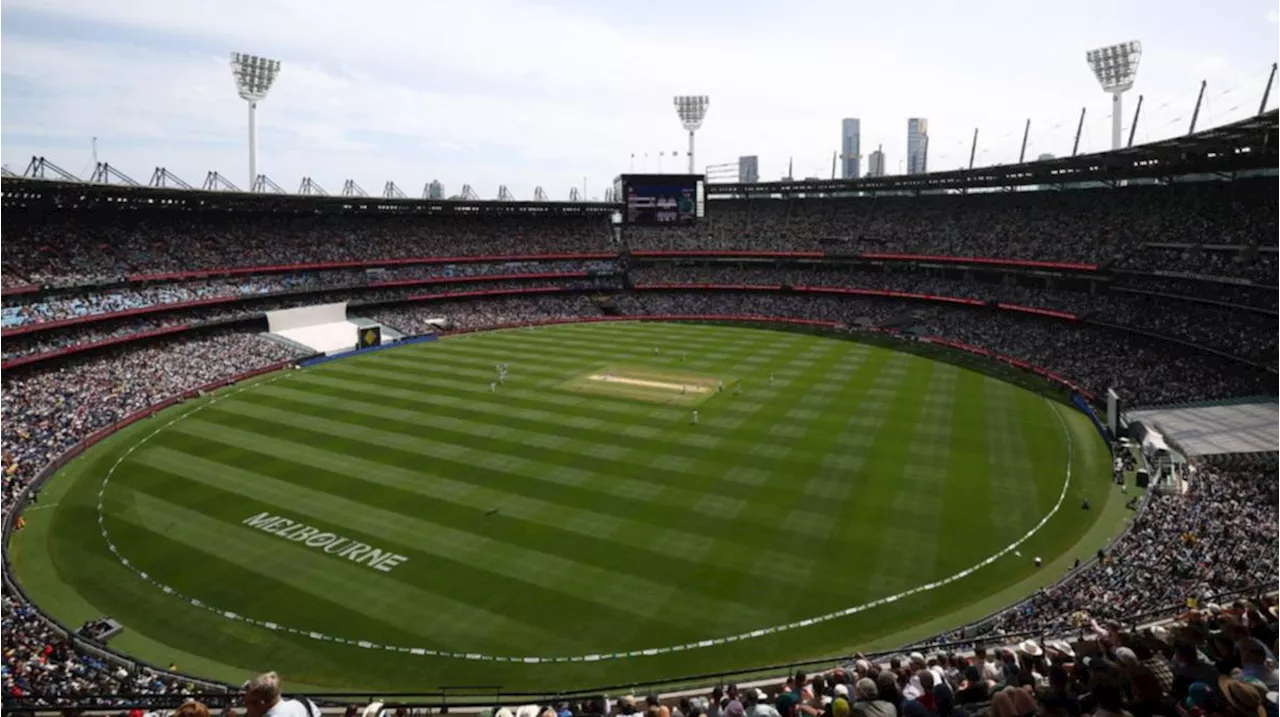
{"x": 254, "y": 76}
{"x": 692, "y": 110}
{"x": 1115, "y": 67}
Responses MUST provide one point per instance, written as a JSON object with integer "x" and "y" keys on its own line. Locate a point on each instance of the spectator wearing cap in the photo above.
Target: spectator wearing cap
{"x": 867, "y": 702}
{"x": 758, "y": 704}
{"x": 887, "y": 687}
{"x": 1156, "y": 662}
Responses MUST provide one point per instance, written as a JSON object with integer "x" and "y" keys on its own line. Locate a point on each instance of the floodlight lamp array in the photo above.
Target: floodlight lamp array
{"x": 1115, "y": 66}
{"x": 692, "y": 110}
{"x": 253, "y": 75}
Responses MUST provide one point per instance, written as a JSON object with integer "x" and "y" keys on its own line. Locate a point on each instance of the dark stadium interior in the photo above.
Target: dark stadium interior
{"x": 1165, "y": 291}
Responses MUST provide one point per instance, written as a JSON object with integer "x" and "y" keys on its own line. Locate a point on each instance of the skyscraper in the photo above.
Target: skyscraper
{"x": 749, "y": 169}
{"x": 850, "y": 148}
{"x": 917, "y": 145}
{"x": 875, "y": 163}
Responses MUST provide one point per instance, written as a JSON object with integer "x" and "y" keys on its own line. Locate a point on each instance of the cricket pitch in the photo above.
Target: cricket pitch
{"x": 648, "y": 384}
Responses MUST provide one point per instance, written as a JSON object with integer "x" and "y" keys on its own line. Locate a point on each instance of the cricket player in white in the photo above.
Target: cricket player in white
{"x": 695, "y": 417}
{"x": 493, "y": 386}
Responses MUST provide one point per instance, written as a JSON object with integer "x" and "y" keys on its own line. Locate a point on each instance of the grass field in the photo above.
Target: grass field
{"x": 390, "y": 522}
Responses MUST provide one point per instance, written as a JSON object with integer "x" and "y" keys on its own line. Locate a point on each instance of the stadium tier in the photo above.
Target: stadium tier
{"x": 820, "y": 421}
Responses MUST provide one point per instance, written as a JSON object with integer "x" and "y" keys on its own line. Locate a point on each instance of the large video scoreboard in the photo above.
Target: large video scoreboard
{"x": 655, "y": 200}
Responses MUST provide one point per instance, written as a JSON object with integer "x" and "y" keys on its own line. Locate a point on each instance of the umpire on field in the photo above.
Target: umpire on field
{"x": 262, "y": 699}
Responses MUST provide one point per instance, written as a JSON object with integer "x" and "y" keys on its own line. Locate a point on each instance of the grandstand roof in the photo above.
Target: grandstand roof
{"x": 1248, "y": 145}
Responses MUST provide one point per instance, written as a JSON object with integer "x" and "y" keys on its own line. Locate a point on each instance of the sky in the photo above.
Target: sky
{"x": 569, "y": 93}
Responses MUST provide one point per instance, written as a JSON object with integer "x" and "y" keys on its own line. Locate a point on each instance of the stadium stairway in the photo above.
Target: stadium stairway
{"x": 302, "y": 348}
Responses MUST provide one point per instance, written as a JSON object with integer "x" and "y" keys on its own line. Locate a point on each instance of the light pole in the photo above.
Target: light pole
{"x": 254, "y": 76}
{"x": 692, "y": 110}
{"x": 1115, "y": 67}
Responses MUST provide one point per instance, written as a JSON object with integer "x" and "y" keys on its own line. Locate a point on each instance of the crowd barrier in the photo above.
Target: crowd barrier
{"x": 1038, "y": 311}
{"x": 726, "y": 254}
{"x": 14, "y": 509}
{"x": 317, "y": 360}
{"x": 1016, "y": 363}
{"x": 991, "y": 261}
{"x": 17, "y": 290}
{"x": 1086, "y": 408}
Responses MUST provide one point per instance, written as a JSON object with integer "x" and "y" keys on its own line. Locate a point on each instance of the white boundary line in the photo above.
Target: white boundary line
{"x": 575, "y": 658}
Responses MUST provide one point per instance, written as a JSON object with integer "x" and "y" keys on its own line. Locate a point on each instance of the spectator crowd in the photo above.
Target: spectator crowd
{"x": 1219, "y": 535}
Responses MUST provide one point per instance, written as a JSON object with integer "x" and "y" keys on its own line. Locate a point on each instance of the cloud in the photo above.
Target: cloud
{"x": 1207, "y": 67}
{"x": 529, "y": 93}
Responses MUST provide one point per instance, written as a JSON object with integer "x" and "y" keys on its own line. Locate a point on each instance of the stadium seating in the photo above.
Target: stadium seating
{"x": 109, "y": 277}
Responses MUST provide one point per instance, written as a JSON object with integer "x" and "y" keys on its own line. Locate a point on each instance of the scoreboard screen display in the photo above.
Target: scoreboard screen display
{"x": 662, "y": 199}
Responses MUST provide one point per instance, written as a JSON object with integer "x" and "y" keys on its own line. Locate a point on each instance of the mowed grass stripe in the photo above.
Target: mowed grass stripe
{"x": 966, "y": 483}
{"x": 606, "y": 453}
{"x": 638, "y": 595}
{"x": 519, "y": 494}
{"x": 344, "y": 584}
{"x": 882, "y": 480}
{"x": 919, "y": 494}
{"x": 1042, "y": 433}
{"x": 819, "y": 493}
{"x": 1012, "y": 475}
{"x": 489, "y": 415}
{"x": 473, "y": 600}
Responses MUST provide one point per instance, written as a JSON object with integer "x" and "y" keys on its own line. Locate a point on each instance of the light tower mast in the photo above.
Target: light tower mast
{"x": 692, "y": 110}
{"x": 254, "y": 76}
{"x": 1115, "y": 67}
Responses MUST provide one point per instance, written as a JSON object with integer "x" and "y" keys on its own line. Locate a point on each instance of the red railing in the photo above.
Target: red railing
{"x": 742, "y": 254}
{"x": 1040, "y": 312}
{"x": 682, "y": 286}
{"x": 22, "y": 289}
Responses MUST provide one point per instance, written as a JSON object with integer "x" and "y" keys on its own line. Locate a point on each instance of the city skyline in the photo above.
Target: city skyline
{"x": 528, "y": 93}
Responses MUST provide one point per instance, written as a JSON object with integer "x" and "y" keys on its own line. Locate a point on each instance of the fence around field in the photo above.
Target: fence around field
{"x": 475, "y": 696}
